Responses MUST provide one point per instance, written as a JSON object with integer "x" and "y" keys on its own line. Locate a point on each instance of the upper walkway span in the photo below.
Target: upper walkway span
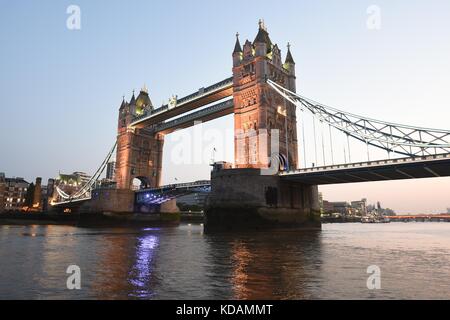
{"x": 203, "y": 115}
{"x": 202, "y": 97}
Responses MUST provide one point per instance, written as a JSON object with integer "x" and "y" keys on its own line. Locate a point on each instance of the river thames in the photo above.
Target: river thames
{"x": 184, "y": 263}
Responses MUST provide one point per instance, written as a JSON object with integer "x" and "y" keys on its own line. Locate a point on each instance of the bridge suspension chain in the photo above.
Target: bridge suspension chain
{"x": 401, "y": 139}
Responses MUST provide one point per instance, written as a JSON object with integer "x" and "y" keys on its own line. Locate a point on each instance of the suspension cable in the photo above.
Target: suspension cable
{"x": 303, "y": 137}
{"x": 331, "y": 144}
{"x": 397, "y": 138}
{"x": 368, "y": 154}
{"x": 323, "y": 143}
{"x": 315, "y": 140}
{"x": 348, "y": 145}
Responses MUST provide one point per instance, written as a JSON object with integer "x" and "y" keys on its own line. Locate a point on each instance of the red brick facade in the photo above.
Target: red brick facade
{"x": 258, "y": 108}
{"x": 139, "y": 152}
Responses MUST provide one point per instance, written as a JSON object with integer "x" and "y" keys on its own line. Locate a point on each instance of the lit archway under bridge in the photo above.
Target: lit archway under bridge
{"x": 150, "y": 200}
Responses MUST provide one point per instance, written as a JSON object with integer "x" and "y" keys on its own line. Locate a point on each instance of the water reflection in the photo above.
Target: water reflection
{"x": 107, "y": 259}
{"x": 273, "y": 265}
{"x": 141, "y": 272}
{"x": 184, "y": 263}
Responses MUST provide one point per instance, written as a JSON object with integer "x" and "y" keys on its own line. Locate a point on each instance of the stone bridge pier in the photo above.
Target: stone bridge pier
{"x": 242, "y": 199}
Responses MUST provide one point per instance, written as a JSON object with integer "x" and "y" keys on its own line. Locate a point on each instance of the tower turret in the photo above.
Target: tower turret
{"x": 237, "y": 52}
{"x": 276, "y": 56}
{"x": 262, "y": 42}
{"x": 133, "y": 100}
{"x": 124, "y": 114}
{"x": 143, "y": 102}
{"x": 289, "y": 65}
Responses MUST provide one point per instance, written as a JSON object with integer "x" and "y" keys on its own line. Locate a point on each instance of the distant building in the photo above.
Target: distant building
{"x": 37, "y": 195}
{"x": 341, "y": 207}
{"x": 359, "y": 207}
{"x": 76, "y": 179}
{"x": 2, "y": 192}
{"x": 321, "y": 202}
{"x": 13, "y": 192}
{"x": 47, "y": 194}
{"x": 111, "y": 171}
{"x": 327, "y": 206}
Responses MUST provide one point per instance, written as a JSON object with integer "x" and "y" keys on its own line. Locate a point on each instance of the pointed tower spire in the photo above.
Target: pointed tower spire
{"x": 289, "y": 58}
{"x": 262, "y": 42}
{"x": 133, "y": 99}
{"x": 237, "y": 46}
{"x": 123, "y": 103}
{"x": 262, "y": 25}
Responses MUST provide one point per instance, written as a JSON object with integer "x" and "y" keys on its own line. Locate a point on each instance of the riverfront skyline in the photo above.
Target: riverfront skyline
{"x": 61, "y": 89}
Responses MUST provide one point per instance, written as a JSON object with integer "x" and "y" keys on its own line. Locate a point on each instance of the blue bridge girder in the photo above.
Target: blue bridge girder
{"x": 155, "y": 196}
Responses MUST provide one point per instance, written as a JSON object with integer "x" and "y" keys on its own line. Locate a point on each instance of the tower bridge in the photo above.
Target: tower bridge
{"x": 266, "y": 186}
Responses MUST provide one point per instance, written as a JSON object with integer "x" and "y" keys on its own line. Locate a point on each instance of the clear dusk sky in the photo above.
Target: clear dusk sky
{"x": 60, "y": 89}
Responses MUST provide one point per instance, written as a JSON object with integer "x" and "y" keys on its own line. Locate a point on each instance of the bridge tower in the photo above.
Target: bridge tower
{"x": 243, "y": 197}
{"x": 258, "y": 109}
{"x": 139, "y": 151}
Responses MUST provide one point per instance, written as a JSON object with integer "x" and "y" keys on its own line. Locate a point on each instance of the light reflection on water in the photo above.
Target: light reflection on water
{"x": 183, "y": 262}
{"x": 143, "y": 268}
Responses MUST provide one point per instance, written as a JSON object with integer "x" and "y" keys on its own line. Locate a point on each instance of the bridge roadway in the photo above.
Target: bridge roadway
{"x": 421, "y": 217}
{"x": 382, "y": 170}
{"x": 202, "y": 97}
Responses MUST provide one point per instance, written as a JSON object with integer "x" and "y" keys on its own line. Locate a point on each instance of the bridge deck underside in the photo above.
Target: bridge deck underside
{"x": 166, "y": 193}
{"x": 417, "y": 170}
